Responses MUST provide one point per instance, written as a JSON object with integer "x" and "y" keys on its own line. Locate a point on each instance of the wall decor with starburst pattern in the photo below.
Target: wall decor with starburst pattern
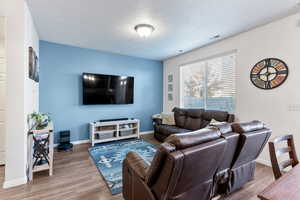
{"x": 269, "y": 73}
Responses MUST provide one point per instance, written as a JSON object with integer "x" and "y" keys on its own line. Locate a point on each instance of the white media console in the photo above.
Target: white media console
{"x": 114, "y": 130}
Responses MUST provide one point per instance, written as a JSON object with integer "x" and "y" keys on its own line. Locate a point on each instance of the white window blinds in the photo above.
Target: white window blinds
{"x": 209, "y": 84}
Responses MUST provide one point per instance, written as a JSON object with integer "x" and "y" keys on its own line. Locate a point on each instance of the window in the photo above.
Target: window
{"x": 209, "y": 84}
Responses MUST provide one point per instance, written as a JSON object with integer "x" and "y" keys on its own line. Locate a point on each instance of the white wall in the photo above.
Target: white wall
{"x": 2, "y": 35}
{"x": 280, "y": 39}
{"x": 20, "y": 95}
{"x": 31, "y": 87}
{"x": 2, "y": 90}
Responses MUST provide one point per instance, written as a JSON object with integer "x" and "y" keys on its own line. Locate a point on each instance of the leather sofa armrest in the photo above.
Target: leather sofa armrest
{"x": 134, "y": 175}
{"x": 157, "y": 121}
{"x": 231, "y": 118}
{"x": 137, "y": 164}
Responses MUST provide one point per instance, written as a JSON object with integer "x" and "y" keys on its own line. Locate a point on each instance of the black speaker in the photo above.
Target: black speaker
{"x": 64, "y": 141}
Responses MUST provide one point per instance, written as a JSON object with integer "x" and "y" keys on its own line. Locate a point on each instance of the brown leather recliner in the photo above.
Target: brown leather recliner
{"x": 245, "y": 142}
{"x": 196, "y": 165}
{"x": 187, "y": 120}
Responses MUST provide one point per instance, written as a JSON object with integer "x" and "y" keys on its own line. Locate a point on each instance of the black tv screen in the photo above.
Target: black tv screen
{"x": 107, "y": 89}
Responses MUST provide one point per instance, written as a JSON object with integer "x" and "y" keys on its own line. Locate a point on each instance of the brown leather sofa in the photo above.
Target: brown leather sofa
{"x": 197, "y": 165}
{"x": 187, "y": 120}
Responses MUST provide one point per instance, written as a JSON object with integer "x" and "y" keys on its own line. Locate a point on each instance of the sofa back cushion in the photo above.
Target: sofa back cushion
{"x": 176, "y": 161}
{"x": 185, "y": 140}
{"x": 193, "y": 119}
{"x": 157, "y": 162}
{"x": 180, "y": 117}
{"x": 200, "y": 162}
{"x": 253, "y": 137}
{"x": 247, "y": 126}
{"x": 190, "y": 119}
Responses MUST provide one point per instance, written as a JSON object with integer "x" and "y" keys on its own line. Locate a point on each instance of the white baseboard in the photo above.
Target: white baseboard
{"x": 80, "y": 142}
{"x": 146, "y": 132}
{"x": 88, "y": 141}
{"x": 15, "y": 182}
{"x": 264, "y": 162}
{"x": 75, "y": 142}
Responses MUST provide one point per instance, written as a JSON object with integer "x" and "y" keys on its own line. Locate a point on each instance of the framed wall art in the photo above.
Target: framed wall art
{"x": 170, "y": 87}
{"x": 33, "y": 65}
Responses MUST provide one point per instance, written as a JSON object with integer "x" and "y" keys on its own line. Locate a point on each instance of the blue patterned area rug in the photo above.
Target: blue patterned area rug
{"x": 108, "y": 158}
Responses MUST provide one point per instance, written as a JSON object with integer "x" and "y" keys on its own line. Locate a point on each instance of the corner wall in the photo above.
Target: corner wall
{"x": 20, "y": 90}
{"x": 31, "y": 103}
{"x": 278, "y": 108}
{"x": 61, "y": 67}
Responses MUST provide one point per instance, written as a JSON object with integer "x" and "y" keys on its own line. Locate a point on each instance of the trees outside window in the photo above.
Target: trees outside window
{"x": 209, "y": 84}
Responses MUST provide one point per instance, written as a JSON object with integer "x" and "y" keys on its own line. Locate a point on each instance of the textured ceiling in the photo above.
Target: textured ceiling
{"x": 108, "y": 25}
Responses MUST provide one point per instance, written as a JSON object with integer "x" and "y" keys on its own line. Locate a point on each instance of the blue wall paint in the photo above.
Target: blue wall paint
{"x": 61, "y": 87}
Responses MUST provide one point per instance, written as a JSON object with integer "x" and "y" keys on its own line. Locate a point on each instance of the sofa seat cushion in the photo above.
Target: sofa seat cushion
{"x": 168, "y": 130}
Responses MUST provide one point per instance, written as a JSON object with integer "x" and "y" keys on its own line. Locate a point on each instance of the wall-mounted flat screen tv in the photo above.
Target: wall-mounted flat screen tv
{"x": 107, "y": 89}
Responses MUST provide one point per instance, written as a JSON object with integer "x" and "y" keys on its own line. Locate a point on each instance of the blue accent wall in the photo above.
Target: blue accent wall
{"x": 60, "y": 89}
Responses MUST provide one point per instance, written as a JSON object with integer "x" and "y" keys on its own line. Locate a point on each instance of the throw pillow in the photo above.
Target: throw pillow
{"x": 213, "y": 122}
{"x": 168, "y": 118}
{"x": 156, "y": 116}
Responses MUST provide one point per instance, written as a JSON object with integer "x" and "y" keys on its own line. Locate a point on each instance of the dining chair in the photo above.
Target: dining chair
{"x": 277, "y": 166}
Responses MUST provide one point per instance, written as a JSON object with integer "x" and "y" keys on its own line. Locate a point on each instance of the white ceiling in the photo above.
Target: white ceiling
{"x": 108, "y": 25}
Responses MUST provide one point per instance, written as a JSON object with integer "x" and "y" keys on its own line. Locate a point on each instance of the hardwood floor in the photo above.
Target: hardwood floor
{"x": 76, "y": 177}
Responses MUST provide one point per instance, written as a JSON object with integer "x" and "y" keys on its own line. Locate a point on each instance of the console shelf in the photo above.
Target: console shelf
{"x": 114, "y": 130}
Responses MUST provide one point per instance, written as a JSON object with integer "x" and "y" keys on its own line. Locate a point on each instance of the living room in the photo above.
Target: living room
{"x": 136, "y": 99}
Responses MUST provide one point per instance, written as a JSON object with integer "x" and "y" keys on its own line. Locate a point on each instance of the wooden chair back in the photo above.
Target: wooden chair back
{"x": 277, "y": 166}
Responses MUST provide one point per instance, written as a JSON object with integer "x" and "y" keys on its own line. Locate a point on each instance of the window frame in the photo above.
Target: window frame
{"x": 206, "y": 59}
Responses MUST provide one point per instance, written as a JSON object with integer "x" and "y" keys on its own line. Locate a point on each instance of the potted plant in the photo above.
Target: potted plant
{"x": 39, "y": 120}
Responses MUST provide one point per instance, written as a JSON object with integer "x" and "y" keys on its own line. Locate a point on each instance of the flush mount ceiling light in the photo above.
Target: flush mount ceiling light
{"x": 144, "y": 30}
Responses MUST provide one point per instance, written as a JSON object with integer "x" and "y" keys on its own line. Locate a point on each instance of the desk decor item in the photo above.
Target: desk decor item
{"x": 269, "y": 73}
{"x": 38, "y": 120}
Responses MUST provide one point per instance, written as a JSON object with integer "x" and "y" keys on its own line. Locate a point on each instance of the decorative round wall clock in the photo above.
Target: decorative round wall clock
{"x": 269, "y": 73}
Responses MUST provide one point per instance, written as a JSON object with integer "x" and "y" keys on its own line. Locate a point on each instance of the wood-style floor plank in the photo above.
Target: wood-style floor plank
{"x": 76, "y": 177}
